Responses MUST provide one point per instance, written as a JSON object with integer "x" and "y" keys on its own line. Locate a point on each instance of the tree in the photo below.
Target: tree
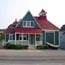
{"x": 2, "y": 37}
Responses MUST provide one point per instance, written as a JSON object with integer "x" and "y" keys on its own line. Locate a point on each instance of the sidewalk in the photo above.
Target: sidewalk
{"x": 32, "y": 53}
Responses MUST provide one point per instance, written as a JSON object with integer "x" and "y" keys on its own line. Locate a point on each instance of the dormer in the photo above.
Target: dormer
{"x": 42, "y": 13}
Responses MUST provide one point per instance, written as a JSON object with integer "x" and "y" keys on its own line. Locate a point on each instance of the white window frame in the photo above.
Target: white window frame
{"x": 29, "y": 24}
{"x": 24, "y": 36}
{"x": 20, "y": 36}
{"x": 10, "y": 36}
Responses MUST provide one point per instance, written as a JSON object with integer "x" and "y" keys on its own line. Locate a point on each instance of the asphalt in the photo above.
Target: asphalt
{"x": 45, "y": 53}
{"x": 32, "y": 57}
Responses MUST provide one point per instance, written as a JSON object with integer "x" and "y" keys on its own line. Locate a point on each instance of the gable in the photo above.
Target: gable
{"x": 28, "y": 20}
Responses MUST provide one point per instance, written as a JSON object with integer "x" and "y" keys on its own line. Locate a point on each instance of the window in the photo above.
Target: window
{"x": 24, "y": 37}
{"x": 20, "y": 37}
{"x": 37, "y": 37}
{"x": 11, "y": 36}
{"x": 24, "y": 23}
{"x": 28, "y": 24}
{"x": 32, "y": 24}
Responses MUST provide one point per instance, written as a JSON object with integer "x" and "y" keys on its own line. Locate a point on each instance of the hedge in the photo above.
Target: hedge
{"x": 13, "y": 46}
{"x": 42, "y": 47}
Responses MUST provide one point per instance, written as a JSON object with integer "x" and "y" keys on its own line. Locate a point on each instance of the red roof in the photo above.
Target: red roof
{"x": 28, "y": 30}
{"x": 10, "y": 30}
{"x": 11, "y": 27}
{"x": 45, "y": 24}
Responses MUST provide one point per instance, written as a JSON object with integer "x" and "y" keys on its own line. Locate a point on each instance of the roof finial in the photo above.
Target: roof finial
{"x": 42, "y": 13}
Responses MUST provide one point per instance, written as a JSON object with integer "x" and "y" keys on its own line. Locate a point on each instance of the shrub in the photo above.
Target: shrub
{"x": 13, "y": 46}
{"x": 42, "y": 47}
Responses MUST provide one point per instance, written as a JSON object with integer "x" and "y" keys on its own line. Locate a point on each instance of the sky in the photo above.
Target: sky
{"x": 12, "y": 9}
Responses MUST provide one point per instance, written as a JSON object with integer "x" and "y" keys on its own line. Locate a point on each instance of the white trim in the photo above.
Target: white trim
{"x": 59, "y": 39}
{"x": 28, "y": 33}
{"x": 49, "y": 30}
{"x": 37, "y": 22}
{"x": 45, "y": 37}
{"x": 28, "y": 40}
{"x": 41, "y": 38}
{"x": 35, "y": 40}
{"x": 22, "y": 37}
{"x": 10, "y": 36}
{"x": 28, "y": 26}
{"x": 15, "y": 38}
{"x": 54, "y": 37}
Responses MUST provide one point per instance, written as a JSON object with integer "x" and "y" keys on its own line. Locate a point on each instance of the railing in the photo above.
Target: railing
{"x": 24, "y": 42}
{"x": 52, "y": 45}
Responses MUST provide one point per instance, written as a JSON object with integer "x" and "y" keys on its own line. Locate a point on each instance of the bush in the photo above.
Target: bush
{"x": 13, "y": 46}
{"x": 42, "y": 47}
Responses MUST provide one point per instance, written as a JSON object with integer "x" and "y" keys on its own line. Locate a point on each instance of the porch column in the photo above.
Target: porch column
{"x": 59, "y": 39}
{"x": 41, "y": 38}
{"x": 35, "y": 40}
{"x": 45, "y": 37}
{"x": 28, "y": 39}
{"x": 15, "y": 38}
{"x": 54, "y": 37}
{"x": 22, "y": 38}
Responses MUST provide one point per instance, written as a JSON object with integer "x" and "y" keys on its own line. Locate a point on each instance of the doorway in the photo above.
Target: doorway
{"x": 32, "y": 39}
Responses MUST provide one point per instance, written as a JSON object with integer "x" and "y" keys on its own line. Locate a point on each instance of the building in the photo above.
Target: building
{"x": 62, "y": 37}
{"x": 2, "y": 37}
{"x": 33, "y": 30}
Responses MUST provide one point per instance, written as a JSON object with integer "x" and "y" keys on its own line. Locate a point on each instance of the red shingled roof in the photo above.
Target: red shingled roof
{"x": 42, "y": 21}
{"x": 11, "y": 27}
{"x": 45, "y": 24}
{"x": 28, "y": 30}
{"x": 10, "y": 30}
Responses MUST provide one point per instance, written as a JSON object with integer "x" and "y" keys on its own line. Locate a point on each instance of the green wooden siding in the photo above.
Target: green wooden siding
{"x": 50, "y": 37}
{"x": 7, "y": 37}
{"x": 28, "y": 17}
{"x": 43, "y": 37}
{"x": 56, "y": 37}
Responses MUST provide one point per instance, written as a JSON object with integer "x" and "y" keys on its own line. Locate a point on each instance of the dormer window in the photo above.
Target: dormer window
{"x": 28, "y": 24}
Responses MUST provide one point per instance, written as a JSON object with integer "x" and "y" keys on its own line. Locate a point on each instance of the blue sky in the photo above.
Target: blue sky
{"x": 11, "y": 9}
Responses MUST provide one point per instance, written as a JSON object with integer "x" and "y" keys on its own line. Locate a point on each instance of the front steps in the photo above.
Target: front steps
{"x": 31, "y": 47}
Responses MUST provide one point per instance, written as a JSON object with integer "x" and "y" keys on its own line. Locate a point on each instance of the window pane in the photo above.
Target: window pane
{"x": 17, "y": 36}
{"x": 24, "y": 37}
{"x": 24, "y": 23}
{"x": 20, "y": 37}
{"x": 11, "y": 36}
{"x": 28, "y": 23}
{"x": 32, "y": 23}
{"x": 37, "y": 37}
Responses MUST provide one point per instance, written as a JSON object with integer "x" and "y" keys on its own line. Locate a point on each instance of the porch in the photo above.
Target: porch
{"x": 26, "y": 39}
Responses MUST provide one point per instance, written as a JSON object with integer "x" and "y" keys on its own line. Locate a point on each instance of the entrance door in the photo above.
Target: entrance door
{"x": 32, "y": 39}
